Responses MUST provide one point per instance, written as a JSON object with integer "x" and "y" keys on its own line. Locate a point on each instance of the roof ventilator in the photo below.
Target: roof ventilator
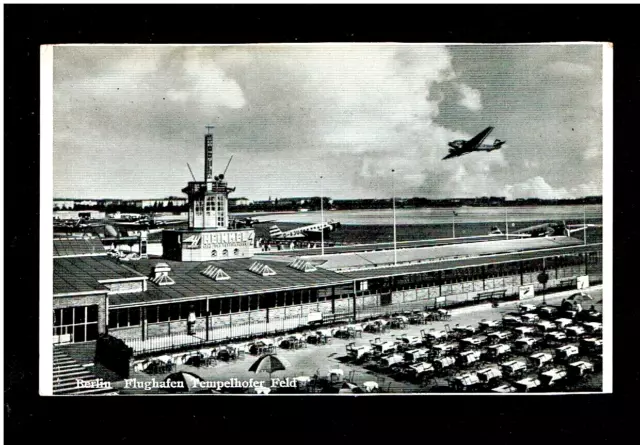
{"x": 161, "y": 275}
{"x": 303, "y": 266}
{"x": 261, "y": 269}
{"x": 215, "y": 273}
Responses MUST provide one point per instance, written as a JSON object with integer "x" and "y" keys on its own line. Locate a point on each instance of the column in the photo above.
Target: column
{"x": 333, "y": 300}
{"x": 143, "y": 322}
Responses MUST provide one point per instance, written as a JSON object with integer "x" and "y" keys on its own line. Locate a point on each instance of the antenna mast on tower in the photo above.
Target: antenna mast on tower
{"x": 208, "y": 154}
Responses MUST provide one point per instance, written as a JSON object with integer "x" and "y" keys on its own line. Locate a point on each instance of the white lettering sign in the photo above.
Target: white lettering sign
{"x": 526, "y": 291}
{"x": 583, "y": 282}
{"x": 219, "y": 240}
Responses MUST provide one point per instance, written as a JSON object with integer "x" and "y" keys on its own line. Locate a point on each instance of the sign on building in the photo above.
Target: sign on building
{"x": 583, "y": 282}
{"x": 203, "y": 245}
{"x": 363, "y": 285}
{"x": 526, "y": 292}
{"x": 314, "y": 317}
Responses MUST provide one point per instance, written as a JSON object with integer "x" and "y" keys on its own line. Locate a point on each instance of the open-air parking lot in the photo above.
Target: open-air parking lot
{"x": 519, "y": 346}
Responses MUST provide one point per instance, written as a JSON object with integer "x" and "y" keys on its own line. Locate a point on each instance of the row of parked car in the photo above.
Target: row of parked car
{"x": 497, "y": 351}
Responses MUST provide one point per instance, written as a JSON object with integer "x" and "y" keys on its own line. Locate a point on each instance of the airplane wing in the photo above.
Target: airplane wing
{"x": 456, "y": 155}
{"x": 478, "y": 139}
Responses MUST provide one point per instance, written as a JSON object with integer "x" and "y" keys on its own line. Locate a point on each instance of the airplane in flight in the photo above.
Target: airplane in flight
{"x": 312, "y": 231}
{"x": 461, "y": 147}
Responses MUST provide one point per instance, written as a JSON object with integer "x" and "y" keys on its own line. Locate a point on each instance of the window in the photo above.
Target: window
{"x": 214, "y": 307}
{"x": 235, "y": 305}
{"x": 198, "y": 207}
{"x": 236, "y": 252}
{"x": 185, "y": 308}
{"x": 79, "y": 314}
{"x": 152, "y": 314}
{"x": 214, "y": 253}
{"x": 225, "y": 307}
{"x": 92, "y": 314}
{"x": 225, "y": 253}
{"x": 122, "y": 317}
{"x": 76, "y": 324}
{"x": 134, "y": 316}
{"x": 174, "y": 311}
{"x": 209, "y": 205}
{"x": 323, "y": 294}
{"x": 267, "y": 301}
{"x": 163, "y": 312}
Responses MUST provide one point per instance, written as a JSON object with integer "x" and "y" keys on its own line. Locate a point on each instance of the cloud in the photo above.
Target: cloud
{"x": 592, "y": 188}
{"x": 130, "y": 118}
{"x": 470, "y": 97}
{"x": 593, "y": 152}
{"x": 568, "y": 69}
{"x": 537, "y": 187}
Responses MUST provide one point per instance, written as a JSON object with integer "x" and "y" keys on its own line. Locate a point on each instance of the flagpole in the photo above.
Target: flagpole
{"x": 322, "y": 216}
{"x": 584, "y": 222}
{"x": 454, "y": 224}
{"x": 393, "y": 188}
{"x": 506, "y": 222}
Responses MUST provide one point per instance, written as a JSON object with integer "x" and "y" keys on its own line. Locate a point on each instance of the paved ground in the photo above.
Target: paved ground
{"x": 320, "y": 359}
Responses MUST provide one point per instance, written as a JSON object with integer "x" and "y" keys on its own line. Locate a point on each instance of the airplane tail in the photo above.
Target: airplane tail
{"x": 495, "y": 231}
{"x": 498, "y": 143}
{"x": 274, "y": 231}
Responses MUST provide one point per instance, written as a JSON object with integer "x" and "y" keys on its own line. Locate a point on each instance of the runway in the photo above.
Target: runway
{"x": 384, "y": 246}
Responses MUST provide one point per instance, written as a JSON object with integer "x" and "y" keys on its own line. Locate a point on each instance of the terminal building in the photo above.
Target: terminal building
{"x": 212, "y": 283}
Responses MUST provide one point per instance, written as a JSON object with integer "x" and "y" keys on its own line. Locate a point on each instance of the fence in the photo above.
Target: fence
{"x": 234, "y": 331}
{"x": 213, "y": 335}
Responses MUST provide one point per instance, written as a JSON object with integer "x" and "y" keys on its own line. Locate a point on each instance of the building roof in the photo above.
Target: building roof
{"x": 83, "y": 274}
{"x": 63, "y": 247}
{"x": 367, "y": 260}
{"x": 191, "y": 283}
{"x": 466, "y": 262}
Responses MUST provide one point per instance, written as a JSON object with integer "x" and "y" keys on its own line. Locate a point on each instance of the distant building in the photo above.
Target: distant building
{"x": 86, "y": 202}
{"x": 240, "y": 201}
{"x": 146, "y": 203}
{"x": 63, "y": 204}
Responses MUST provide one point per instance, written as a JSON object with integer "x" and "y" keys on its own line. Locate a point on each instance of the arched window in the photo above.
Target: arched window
{"x": 236, "y": 252}
{"x": 225, "y": 253}
{"x": 214, "y": 253}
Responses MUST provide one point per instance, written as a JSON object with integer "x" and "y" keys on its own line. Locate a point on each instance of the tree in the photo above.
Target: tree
{"x": 542, "y": 279}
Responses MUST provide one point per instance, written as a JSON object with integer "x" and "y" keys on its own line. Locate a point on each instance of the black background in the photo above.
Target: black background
{"x": 386, "y": 418}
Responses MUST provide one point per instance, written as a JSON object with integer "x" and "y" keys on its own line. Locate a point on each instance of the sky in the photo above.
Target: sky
{"x": 128, "y": 119}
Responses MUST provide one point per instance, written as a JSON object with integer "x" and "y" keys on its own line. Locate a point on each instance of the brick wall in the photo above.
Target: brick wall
{"x": 85, "y": 300}
{"x": 124, "y": 287}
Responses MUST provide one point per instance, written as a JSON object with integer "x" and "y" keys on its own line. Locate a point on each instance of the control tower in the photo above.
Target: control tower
{"x": 208, "y": 200}
{"x": 208, "y": 236}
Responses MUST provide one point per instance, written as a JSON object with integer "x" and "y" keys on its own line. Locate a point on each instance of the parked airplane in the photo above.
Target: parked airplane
{"x": 461, "y": 147}
{"x": 312, "y": 231}
{"x": 239, "y": 223}
{"x": 546, "y": 229}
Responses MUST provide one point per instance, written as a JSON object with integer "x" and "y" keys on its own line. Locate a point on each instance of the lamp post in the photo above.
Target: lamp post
{"x": 454, "y": 224}
{"x": 506, "y": 222}
{"x": 393, "y": 189}
{"x": 584, "y": 223}
{"x": 322, "y": 216}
